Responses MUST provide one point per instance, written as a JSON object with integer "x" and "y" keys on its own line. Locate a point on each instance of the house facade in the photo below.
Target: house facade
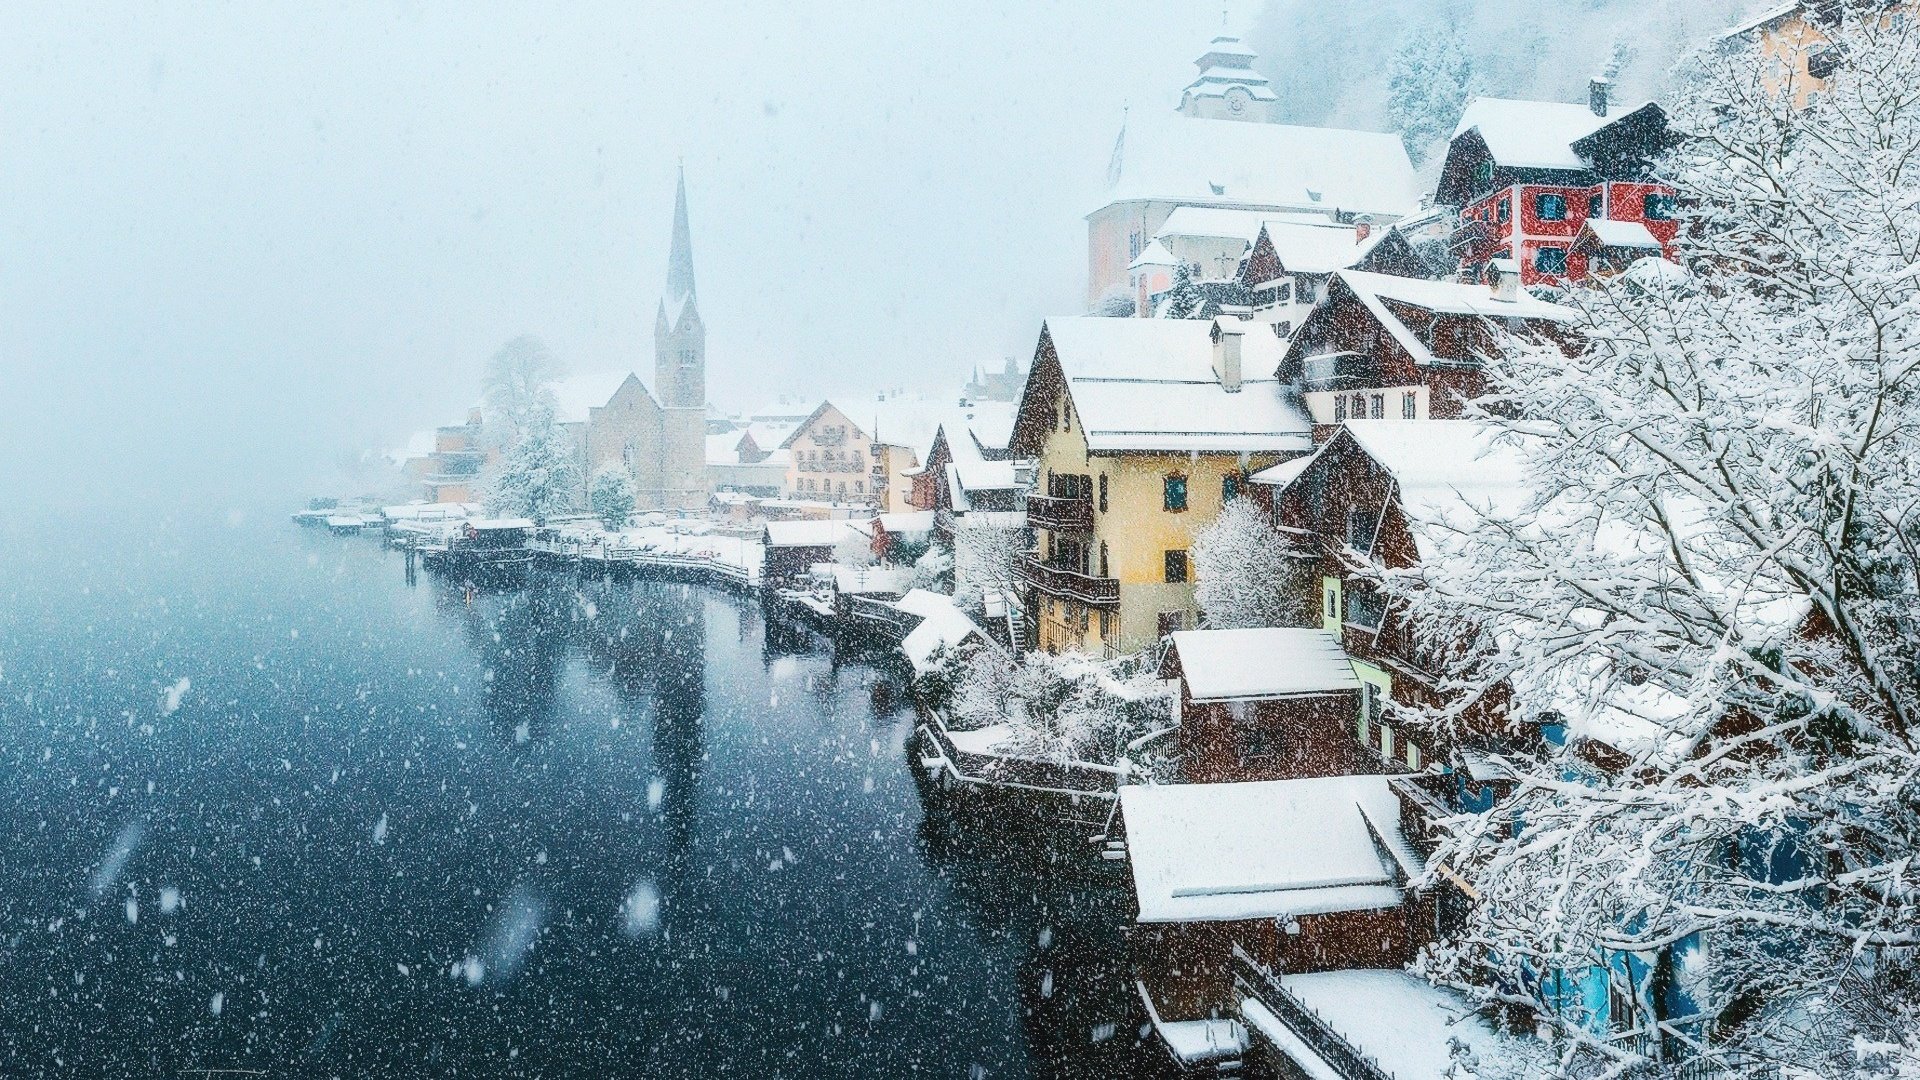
{"x": 1140, "y": 430}
{"x": 1527, "y": 177}
{"x": 830, "y": 458}
{"x": 1382, "y": 347}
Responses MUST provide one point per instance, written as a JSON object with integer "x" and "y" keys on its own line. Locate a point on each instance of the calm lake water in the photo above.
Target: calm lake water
{"x": 268, "y": 807}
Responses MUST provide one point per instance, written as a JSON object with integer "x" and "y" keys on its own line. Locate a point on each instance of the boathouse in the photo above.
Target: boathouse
{"x": 1272, "y": 703}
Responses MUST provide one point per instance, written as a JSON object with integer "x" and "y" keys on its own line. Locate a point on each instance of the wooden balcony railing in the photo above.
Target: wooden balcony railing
{"x": 1071, "y": 584}
{"x": 1060, "y": 515}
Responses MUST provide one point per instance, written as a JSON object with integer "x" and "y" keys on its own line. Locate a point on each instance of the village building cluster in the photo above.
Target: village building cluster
{"x": 1279, "y": 317}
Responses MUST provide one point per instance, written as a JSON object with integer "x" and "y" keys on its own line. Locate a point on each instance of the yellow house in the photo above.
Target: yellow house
{"x": 1140, "y": 430}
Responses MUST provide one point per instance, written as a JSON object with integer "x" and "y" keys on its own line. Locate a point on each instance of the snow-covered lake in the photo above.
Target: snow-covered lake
{"x": 269, "y": 808}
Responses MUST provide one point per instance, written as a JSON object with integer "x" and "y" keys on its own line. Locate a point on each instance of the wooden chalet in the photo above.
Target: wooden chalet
{"x": 1380, "y": 347}
{"x": 1273, "y": 703}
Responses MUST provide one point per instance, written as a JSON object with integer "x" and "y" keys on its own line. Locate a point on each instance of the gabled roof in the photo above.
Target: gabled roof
{"x": 575, "y": 394}
{"x": 1267, "y": 662}
{"x": 1447, "y": 473}
{"x": 1149, "y": 385}
{"x": 807, "y": 424}
{"x": 1379, "y": 292}
{"x": 1155, "y": 254}
{"x": 1211, "y": 852}
{"x": 1317, "y": 249}
{"x": 1233, "y": 163}
{"x": 1535, "y": 134}
{"x": 970, "y": 432}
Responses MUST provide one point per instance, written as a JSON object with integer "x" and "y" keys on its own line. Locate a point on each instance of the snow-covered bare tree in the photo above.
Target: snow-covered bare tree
{"x": 1714, "y": 592}
{"x": 1244, "y": 577}
{"x": 987, "y": 559}
{"x": 610, "y": 496}
{"x": 854, "y": 550}
{"x": 1116, "y": 303}
{"x": 539, "y": 475}
{"x": 1428, "y": 79}
{"x": 519, "y": 385}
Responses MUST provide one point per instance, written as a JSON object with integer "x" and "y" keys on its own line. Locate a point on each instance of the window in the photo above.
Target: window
{"x": 859, "y": 487}
{"x": 1377, "y": 406}
{"x": 1174, "y": 496}
{"x": 1822, "y": 61}
{"x": 1103, "y": 493}
{"x": 1359, "y": 406}
{"x": 1504, "y": 211}
{"x": 1365, "y": 606}
{"x": 1332, "y": 596}
{"x": 1176, "y": 567}
{"x": 1483, "y": 172}
{"x": 1066, "y": 416}
{"x": 1596, "y": 206}
{"x": 1284, "y": 295}
{"x": 1550, "y": 207}
{"x": 1361, "y": 523}
{"x": 1550, "y": 260}
{"x": 1257, "y": 740}
{"x": 686, "y": 358}
{"x": 1340, "y": 408}
{"x": 1409, "y": 405}
{"x": 1103, "y": 564}
{"x": 1660, "y": 207}
{"x": 1229, "y": 487}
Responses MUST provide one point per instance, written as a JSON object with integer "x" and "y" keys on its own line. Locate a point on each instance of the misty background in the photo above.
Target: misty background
{"x": 239, "y": 241}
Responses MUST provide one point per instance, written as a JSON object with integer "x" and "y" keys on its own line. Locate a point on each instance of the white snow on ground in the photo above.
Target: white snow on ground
{"x": 1299, "y": 1054}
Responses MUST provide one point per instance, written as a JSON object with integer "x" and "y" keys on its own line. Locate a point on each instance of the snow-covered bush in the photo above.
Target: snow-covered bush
{"x": 933, "y": 570}
{"x": 611, "y": 496}
{"x": 855, "y": 550}
{"x": 1066, "y": 708}
{"x": 1243, "y": 575}
{"x": 1716, "y": 588}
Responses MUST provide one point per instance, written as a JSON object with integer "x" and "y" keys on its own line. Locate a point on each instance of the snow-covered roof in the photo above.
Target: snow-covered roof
{"x": 1268, "y": 662}
{"x": 788, "y": 534}
{"x": 1278, "y": 166}
{"x": 1120, "y": 415}
{"x": 499, "y": 524}
{"x": 872, "y": 580}
{"x": 902, "y": 420}
{"x": 1621, "y": 234}
{"x": 426, "y": 511}
{"x": 911, "y": 521}
{"x": 1426, "y": 1018}
{"x": 723, "y": 449}
{"x": 1149, "y": 385}
{"x": 941, "y": 624}
{"x": 1534, "y": 134}
{"x": 575, "y": 394}
{"x": 1212, "y": 852}
{"x": 1307, "y": 248}
{"x": 1443, "y": 298}
{"x": 1228, "y": 223}
{"x": 1285, "y": 473}
{"x": 1448, "y": 474}
{"x": 1155, "y": 254}
{"x": 1155, "y": 350}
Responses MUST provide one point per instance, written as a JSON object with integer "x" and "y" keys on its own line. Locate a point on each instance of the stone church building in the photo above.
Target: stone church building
{"x": 661, "y": 440}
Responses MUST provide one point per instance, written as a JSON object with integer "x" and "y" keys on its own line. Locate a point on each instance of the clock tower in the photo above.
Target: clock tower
{"x": 1227, "y": 87}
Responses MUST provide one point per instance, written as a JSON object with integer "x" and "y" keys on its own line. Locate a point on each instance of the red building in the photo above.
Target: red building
{"x": 1528, "y": 176}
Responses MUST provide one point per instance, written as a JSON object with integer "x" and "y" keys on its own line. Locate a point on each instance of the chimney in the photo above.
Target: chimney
{"x": 1227, "y": 334}
{"x": 1362, "y": 228}
{"x": 1597, "y": 92}
{"x": 1503, "y": 280}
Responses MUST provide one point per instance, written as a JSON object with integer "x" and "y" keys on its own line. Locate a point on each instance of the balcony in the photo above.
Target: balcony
{"x": 1333, "y": 371}
{"x": 1069, "y": 584}
{"x": 1060, "y": 515}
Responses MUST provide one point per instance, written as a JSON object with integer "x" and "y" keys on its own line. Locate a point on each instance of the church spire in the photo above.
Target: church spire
{"x": 680, "y": 257}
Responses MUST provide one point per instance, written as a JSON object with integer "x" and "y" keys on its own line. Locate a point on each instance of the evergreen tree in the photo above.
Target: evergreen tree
{"x": 611, "y": 496}
{"x": 1184, "y": 299}
{"x": 1428, "y": 77}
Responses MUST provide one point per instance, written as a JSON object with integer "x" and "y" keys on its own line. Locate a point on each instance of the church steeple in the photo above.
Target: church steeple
{"x": 1227, "y": 87}
{"x": 679, "y": 337}
{"x": 680, "y": 256}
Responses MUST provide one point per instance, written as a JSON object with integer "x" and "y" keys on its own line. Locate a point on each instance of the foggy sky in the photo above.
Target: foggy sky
{"x": 239, "y": 240}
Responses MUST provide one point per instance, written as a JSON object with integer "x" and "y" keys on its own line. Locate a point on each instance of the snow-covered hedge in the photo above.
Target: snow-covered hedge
{"x": 1064, "y": 708}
